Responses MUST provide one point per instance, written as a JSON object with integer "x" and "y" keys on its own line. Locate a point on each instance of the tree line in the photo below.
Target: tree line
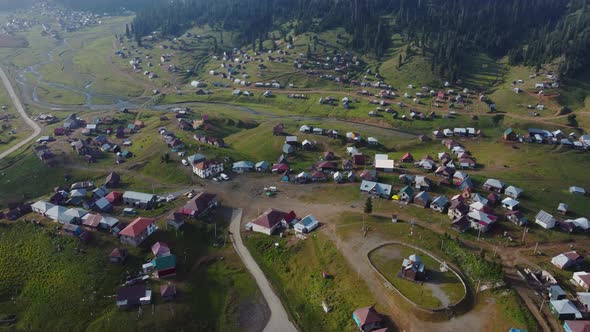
{"x": 531, "y": 32}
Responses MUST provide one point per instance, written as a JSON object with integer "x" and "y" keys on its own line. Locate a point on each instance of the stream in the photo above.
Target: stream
{"x": 30, "y": 95}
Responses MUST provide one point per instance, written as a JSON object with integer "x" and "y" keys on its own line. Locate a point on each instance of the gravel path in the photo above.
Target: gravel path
{"x": 21, "y": 110}
{"x": 279, "y": 319}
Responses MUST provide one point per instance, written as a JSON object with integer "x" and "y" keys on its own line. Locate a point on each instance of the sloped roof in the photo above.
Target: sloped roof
{"x": 367, "y": 315}
{"x": 160, "y": 249}
{"x": 269, "y": 218}
{"x": 137, "y": 226}
{"x": 564, "y": 307}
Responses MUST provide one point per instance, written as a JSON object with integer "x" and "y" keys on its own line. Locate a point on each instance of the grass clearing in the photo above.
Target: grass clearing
{"x": 295, "y": 271}
{"x": 388, "y": 260}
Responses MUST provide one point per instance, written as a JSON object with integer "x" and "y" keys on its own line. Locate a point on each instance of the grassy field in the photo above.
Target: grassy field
{"x": 50, "y": 284}
{"x": 388, "y": 260}
{"x": 295, "y": 270}
{"x": 14, "y": 129}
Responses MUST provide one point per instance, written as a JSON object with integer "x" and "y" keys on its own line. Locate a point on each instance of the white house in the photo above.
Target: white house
{"x": 512, "y": 191}
{"x": 545, "y": 220}
{"x": 307, "y": 224}
{"x": 510, "y": 203}
{"x": 41, "y": 207}
{"x": 582, "y": 279}
{"x": 207, "y": 168}
{"x": 272, "y": 219}
{"x": 384, "y": 165}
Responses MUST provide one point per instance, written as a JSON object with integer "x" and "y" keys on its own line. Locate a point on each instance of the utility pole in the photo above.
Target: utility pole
{"x": 536, "y": 246}
{"x": 524, "y": 232}
{"x": 478, "y": 234}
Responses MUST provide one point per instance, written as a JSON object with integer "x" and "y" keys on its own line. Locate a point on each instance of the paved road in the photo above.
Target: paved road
{"x": 21, "y": 110}
{"x": 279, "y": 319}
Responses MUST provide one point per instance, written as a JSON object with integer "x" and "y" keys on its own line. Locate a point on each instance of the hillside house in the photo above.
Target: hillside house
{"x": 207, "y": 168}
{"x": 480, "y": 220}
{"x": 384, "y": 165}
{"x": 545, "y": 220}
{"x": 243, "y": 166}
{"x": 199, "y": 205}
{"x": 271, "y": 220}
{"x": 326, "y": 166}
{"x": 422, "y": 199}
{"x": 457, "y": 210}
{"x": 413, "y": 268}
{"x": 565, "y": 309}
{"x": 278, "y": 130}
{"x": 512, "y": 191}
{"x": 367, "y": 319}
{"x": 306, "y": 225}
{"x": 368, "y": 175}
{"x": 41, "y": 207}
{"x": 517, "y": 218}
{"x": 328, "y": 155}
{"x": 288, "y": 149}
{"x": 140, "y": 200}
{"x": 576, "y": 326}
{"x": 509, "y": 135}
{"x": 510, "y": 204}
{"x": 423, "y": 183}
{"x": 577, "y": 190}
{"x": 406, "y": 194}
{"x": 262, "y": 166}
{"x": 407, "y": 158}
{"x": 118, "y": 255}
{"x": 137, "y": 231}
{"x": 493, "y": 185}
{"x": 582, "y": 279}
{"x": 439, "y": 204}
{"x": 568, "y": 259}
{"x": 376, "y": 189}
{"x": 133, "y": 296}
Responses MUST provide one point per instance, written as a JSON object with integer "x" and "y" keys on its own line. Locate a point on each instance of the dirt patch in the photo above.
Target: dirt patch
{"x": 252, "y": 317}
{"x": 13, "y": 42}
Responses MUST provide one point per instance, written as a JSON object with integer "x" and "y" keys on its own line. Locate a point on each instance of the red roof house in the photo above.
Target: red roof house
{"x": 407, "y": 158}
{"x": 367, "y": 319}
{"x": 160, "y": 249}
{"x": 271, "y": 219}
{"x": 137, "y": 231}
{"x": 199, "y": 204}
{"x": 118, "y": 255}
{"x": 114, "y": 197}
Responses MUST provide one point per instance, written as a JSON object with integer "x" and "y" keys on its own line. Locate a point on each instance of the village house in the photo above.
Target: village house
{"x": 582, "y": 279}
{"x": 139, "y": 200}
{"x": 199, "y": 205}
{"x": 262, "y": 166}
{"x": 168, "y": 291}
{"x": 406, "y": 194}
{"x": 493, "y": 185}
{"x": 271, "y": 220}
{"x": 413, "y": 268}
{"x": 439, "y": 204}
{"x": 568, "y": 259}
{"x": 422, "y": 199}
{"x": 133, "y": 296}
{"x": 376, "y": 189}
{"x": 481, "y": 221}
{"x": 384, "y": 165}
{"x": 162, "y": 266}
{"x": 118, "y": 255}
{"x": 368, "y": 175}
{"x": 288, "y": 148}
{"x": 41, "y": 207}
{"x": 576, "y": 326}
{"x": 510, "y": 204}
{"x": 565, "y": 309}
{"x": 207, "y": 168}
{"x": 545, "y": 220}
{"x": 367, "y": 319}
{"x": 517, "y": 218}
{"x": 306, "y": 225}
{"x": 512, "y": 191}
{"x": 407, "y": 158}
{"x": 457, "y": 210}
{"x": 137, "y": 231}
{"x": 243, "y": 166}
{"x": 555, "y": 292}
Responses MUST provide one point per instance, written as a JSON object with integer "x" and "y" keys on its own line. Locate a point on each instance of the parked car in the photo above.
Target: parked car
{"x": 223, "y": 177}
{"x": 184, "y": 162}
{"x": 170, "y": 198}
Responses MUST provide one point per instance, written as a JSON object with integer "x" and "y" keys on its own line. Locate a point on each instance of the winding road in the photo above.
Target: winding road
{"x": 279, "y": 319}
{"x": 21, "y": 111}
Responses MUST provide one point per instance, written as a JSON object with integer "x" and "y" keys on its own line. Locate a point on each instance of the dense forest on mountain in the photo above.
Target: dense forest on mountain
{"x": 531, "y": 32}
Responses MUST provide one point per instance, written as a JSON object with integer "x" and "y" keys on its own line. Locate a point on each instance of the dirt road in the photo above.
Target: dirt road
{"x": 279, "y": 319}
{"x": 21, "y": 110}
